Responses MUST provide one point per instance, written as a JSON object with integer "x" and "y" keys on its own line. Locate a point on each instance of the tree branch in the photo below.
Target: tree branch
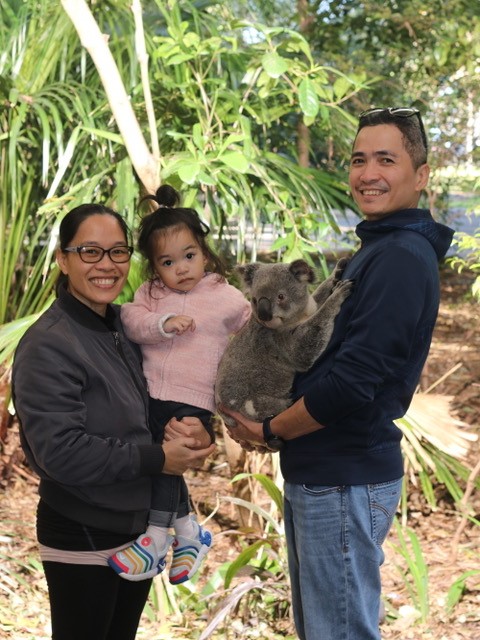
{"x": 145, "y": 164}
{"x": 143, "y": 60}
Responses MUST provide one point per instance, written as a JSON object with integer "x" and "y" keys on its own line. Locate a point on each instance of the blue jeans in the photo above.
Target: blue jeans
{"x": 334, "y": 540}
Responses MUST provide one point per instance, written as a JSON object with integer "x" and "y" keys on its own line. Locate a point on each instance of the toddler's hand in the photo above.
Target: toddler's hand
{"x": 179, "y": 324}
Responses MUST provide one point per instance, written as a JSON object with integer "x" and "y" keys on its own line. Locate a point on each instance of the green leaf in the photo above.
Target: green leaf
{"x": 188, "y": 172}
{"x": 258, "y": 510}
{"x": 309, "y": 103}
{"x": 243, "y": 559}
{"x": 197, "y": 135}
{"x": 268, "y": 484}
{"x": 235, "y": 160}
{"x": 457, "y": 589}
{"x": 205, "y": 178}
{"x": 232, "y": 139}
{"x": 107, "y": 135}
{"x": 274, "y": 64}
{"x": 341, "y": 87}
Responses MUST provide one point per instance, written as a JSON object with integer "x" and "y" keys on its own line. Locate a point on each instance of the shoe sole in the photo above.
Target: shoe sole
{"x": 138, "y": 577}
{"x": 184, "y": 576}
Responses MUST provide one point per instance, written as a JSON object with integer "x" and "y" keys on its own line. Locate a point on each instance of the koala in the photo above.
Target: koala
{"x": 288, "y": 330}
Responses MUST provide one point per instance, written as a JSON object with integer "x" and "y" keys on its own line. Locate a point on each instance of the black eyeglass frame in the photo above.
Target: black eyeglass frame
{"x": 399, "y": 112}
{"x": 81, "y": 252}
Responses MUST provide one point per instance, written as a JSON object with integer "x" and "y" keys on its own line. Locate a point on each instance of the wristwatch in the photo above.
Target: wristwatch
{"x": 273, "y": 442}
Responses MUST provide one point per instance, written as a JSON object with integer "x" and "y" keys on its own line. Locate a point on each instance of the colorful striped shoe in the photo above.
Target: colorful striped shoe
{"x": 188, "y": 554}
{"x": 140, "y": 561}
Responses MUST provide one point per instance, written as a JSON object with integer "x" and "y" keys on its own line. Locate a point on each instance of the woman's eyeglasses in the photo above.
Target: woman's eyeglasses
{"x": 398, "y": 112}
{"x": 92, "y": 254}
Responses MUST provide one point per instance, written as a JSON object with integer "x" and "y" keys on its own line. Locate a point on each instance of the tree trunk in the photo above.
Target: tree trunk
{"x": 95, "y": 42}
{"x": 303, "y": 144}
{"x": 303, "y": 132}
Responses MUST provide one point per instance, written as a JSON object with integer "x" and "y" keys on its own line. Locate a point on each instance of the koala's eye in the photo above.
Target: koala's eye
{"x": 281, "y": 297}
{"x": 254, "y": 300}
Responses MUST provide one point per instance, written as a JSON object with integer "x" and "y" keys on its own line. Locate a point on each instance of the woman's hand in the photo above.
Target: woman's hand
{"x": 187, "y": 427}
{"x": 184, "y": 453}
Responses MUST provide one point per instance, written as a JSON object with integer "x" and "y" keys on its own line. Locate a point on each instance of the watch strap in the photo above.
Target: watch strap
{"x": 267, "y": 431}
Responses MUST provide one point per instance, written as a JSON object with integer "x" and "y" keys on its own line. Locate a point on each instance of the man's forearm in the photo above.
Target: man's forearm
{"x": 294, "y": 422}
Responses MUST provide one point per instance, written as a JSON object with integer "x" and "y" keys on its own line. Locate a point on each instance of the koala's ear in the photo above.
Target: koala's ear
{"x": 302, "y": 271}
{"x": 247, "y": 272}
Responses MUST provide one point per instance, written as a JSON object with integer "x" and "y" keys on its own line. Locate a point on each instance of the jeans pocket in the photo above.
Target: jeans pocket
{"x": 384, "y": 498}
{"x": 320, "y": 490}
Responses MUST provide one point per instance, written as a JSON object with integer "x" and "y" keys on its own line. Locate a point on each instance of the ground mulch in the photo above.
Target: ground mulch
{"x": 449, "y": 548}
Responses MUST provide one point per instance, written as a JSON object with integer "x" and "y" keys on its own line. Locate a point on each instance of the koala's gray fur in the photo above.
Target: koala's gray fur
{"x": 288, "y": 330}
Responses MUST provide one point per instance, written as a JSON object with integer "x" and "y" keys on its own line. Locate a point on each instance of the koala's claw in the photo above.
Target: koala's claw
{"x": 343, "y": 288}
{"x": 339, "y": 269}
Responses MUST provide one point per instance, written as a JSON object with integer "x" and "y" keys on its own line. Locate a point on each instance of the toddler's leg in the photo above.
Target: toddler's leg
{"x": 192, "y": 542}
{"x": 145, "y": 558}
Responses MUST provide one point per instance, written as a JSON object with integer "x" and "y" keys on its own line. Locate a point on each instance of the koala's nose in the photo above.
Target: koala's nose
{"x": 264, "y": 309}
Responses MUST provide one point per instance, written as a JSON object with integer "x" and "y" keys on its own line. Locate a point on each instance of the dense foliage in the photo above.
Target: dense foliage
{"x": 249, "y": 108}
{"x": 217, "y": 102}
{"x": 233, "y": 100}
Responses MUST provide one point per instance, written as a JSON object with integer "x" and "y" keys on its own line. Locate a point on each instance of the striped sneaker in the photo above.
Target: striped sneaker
{"x": 141, "y": 560}
{"x": 188, "y": 554}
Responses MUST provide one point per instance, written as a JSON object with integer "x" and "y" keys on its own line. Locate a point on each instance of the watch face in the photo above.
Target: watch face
{"x": 275, "y": 444}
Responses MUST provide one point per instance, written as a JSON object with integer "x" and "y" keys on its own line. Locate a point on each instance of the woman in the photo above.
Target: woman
{"x": 82, "y": 403}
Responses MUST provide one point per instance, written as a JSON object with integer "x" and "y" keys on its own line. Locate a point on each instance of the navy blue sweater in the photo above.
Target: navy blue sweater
{"x": 367, "y": 376}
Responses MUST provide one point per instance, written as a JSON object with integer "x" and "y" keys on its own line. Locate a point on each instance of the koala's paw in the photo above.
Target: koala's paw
{"x": 342, "y": 290}
{"x": 339, "y": 269}
{"x": 230, "y": 423}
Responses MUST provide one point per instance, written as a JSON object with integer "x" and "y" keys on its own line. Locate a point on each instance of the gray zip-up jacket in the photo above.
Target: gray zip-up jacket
{"x": 82, "y": 403}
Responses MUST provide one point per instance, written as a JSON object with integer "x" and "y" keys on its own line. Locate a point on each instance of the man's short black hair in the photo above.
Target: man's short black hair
{"x": 411, "y": 127}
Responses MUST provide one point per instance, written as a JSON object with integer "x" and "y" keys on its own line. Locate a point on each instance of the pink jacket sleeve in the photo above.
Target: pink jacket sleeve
{"x": 140, "y": 319}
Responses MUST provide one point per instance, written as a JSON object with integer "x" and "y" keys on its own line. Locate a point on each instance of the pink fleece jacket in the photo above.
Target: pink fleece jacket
{"x": 183, "y": 367}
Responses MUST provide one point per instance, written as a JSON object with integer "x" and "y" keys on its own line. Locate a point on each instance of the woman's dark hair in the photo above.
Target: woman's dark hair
{"x": 169, "y": 216}
{"x": 72, "y": 221}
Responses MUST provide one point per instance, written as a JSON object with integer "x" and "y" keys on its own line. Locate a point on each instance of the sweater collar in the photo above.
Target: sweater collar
{"x": 417, "y": 220}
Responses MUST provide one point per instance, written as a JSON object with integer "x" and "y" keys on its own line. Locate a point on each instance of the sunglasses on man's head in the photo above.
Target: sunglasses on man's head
{"x": 400, "y": 112}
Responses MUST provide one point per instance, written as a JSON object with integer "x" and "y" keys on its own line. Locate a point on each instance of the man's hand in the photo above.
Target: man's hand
{"x": 252, "y": 446}
{"x": 179, "y": 324}
{"x": 246, "y": 431}
{"x": 184, "y": 453}
{"x": 187, "y": 427}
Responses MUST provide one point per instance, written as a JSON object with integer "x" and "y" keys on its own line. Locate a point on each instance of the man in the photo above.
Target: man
{"x": 339, "y": 447}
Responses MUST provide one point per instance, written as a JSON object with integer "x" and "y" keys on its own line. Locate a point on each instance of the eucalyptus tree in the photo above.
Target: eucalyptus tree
{"x": 221, "y": 89}
{"x": 58, "y": 148}
{"x": 426, "y": 54}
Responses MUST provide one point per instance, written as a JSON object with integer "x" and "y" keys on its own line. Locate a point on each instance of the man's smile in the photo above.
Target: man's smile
{"x": 372, "y": 192}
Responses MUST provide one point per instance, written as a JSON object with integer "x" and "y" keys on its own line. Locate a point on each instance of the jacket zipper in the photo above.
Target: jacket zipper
{"x": 121, "y": 353}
